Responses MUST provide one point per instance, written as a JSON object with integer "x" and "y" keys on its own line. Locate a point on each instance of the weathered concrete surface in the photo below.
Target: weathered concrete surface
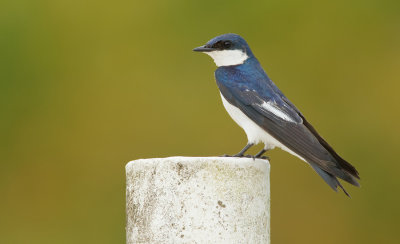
{"x": 198, "y": 200}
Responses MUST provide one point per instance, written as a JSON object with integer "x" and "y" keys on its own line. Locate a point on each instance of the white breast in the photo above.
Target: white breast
{"x": 228, "y": 57}
{"x": 255, "y": 134}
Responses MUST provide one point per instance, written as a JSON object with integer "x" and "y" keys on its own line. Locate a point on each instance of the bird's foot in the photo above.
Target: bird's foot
{"x": 264, "y": 157}
{"x": 233, "y": 156}
{"x": 249, "y": 156}
{"x": 241, "y": 153}
{"x": 260, "y": 154}
{"x": 238, "y": 155}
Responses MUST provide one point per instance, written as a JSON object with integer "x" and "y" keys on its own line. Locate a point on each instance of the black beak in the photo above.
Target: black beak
{"x": 203, "y": 49}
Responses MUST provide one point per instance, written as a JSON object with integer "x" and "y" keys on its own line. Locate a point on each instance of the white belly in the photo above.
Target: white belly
{"x": 255, "y": 134}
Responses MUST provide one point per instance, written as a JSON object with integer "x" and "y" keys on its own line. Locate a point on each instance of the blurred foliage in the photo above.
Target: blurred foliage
{"x": 86, "y": 86}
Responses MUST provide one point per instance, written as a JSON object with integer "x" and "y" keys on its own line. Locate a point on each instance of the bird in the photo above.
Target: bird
{"x": 266, "y": 115}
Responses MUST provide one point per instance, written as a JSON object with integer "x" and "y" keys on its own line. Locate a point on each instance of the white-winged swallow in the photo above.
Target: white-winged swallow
{"x": 257, "y": 105}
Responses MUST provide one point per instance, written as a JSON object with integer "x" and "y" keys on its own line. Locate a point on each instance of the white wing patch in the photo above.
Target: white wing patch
{"x": 275, "y": 110}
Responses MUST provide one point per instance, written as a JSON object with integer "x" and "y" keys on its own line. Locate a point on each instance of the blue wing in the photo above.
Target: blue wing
{"x": 266, "y": 105}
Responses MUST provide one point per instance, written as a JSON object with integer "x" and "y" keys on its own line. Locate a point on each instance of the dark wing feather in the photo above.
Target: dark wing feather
{"x": 252, "y": 98}
{"x": 293, "y": 134}
{"x": 343, "y": 163}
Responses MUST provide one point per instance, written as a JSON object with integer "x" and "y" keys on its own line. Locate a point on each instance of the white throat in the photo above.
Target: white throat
{"x": 228, "y": 57}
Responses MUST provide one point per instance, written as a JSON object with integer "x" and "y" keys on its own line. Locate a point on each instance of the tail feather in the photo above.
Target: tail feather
{"x": 338, "y": 171}
{"x": 344, "y": 165}
{"x": 331, "y": 180}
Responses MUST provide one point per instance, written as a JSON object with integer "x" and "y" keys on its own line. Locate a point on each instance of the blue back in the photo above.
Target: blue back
{"x": 237, "y": 76}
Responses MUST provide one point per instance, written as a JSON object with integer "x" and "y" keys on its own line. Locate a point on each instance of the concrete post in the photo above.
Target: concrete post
{"x": 198, "y": 200}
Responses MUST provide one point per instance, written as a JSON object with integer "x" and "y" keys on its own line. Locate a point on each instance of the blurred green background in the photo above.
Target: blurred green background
{"x": 86, "y": 86}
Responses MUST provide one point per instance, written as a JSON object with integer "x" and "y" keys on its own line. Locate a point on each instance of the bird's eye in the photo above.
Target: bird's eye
{"x": 227, "y": 44}
{"x": 222, "y": 45}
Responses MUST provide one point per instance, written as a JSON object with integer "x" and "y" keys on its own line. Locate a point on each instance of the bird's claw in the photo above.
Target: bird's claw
{"x": 232, "y": 156}
{"x": 249, "y": 156}
{"x": 226, "y": 155}
{"x": 264, "y": 157}
{"x": 238, "y": 156}
{"x": 246, "y": 156}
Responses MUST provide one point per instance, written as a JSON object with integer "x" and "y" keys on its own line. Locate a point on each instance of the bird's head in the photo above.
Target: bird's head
{"x": 227, "y": 50}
